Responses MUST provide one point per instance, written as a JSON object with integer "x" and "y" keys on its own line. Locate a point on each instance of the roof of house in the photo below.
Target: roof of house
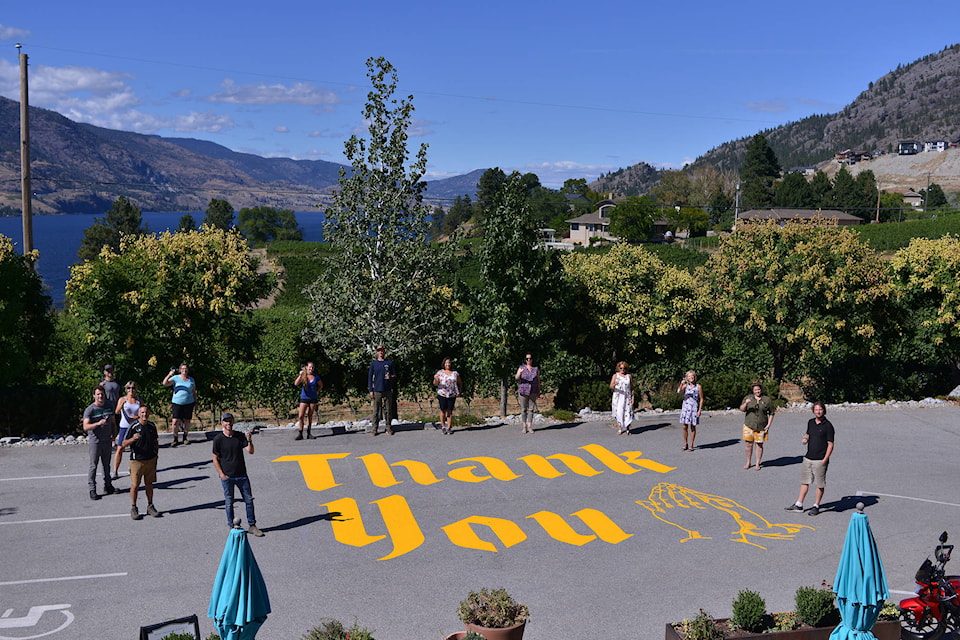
{"x": 594, "y": 217}
{"x": 796, "y": 214}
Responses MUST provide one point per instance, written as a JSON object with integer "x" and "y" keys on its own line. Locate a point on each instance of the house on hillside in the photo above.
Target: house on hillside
{"x": 935, "y": 145}
{"x": 955, "y": 142}
{"x": 786, "y": 216}
{"x": 592, "y": 225}
{"x": 909, "y": 147}
{"x": 913, "y": 199}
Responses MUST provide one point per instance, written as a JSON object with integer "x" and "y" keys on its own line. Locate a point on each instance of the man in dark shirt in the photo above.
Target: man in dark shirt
{"x": 380, "y": 383}
{"x": 111, "y": 389}
{"x": 228, "y": 448}
{"x": 144, "y": 449}
{"x": 819, "y": 441}
{"x": 98, "y": 426}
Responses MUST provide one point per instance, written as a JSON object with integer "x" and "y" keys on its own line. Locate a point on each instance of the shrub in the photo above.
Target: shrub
{"x": 465, "y": 420}
{"x": 60, "y": 416}
{"x": 666, "y": 397}
{"x": 473, "y": 635}
{"x": 785, "y": 621}
{"x": 493, "y": 608}
{"x": 749, "y": 611}
{"x": 702, "y": 627}
{"x": 332, "y": 629}
{"x": 815, "y": 606}
{"x": 178, "y": 636}
{"x": 562, "y": 415}
{"x": 595, "y": 394}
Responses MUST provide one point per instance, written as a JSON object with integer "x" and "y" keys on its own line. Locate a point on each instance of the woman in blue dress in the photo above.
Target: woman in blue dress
{"x": 310, "y": 384}
{"x": 691, "y": 408}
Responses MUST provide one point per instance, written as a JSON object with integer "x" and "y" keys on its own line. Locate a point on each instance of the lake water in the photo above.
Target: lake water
{"x": 57, "y": 238}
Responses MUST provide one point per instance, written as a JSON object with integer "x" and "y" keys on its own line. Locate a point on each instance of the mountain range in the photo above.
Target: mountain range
{"x": 81, "y": 168}
{"x": 918, "y": 101}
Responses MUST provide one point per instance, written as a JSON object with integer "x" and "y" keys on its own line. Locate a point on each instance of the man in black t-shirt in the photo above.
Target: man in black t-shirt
{"x": 228, "y": 448}
{"x": 144, "y": 449}
{"x": 819, "y": 441}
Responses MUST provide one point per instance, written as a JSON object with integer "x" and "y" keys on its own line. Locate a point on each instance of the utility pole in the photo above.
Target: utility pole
{"x": 26, "y": 191}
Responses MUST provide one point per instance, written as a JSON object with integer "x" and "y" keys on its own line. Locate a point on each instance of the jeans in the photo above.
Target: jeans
{"x": 99, "y": 452}
{"x": 528, "y": 408}
{"x": 243, "y": 483}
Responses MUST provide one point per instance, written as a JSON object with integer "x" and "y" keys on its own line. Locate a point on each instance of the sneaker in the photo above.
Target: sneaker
{"x": 110, "y": 490}
{"x": 176, "y": 443}
{"x": 152, "y": 511}
{"x": 94, "y": 495}
{"x": 253, "y": 530}
{"x": 299, "y": 436}
{"x": 135, "y": 513}
{"x": 793, "y": 507}
{"x": 814, "y": 510}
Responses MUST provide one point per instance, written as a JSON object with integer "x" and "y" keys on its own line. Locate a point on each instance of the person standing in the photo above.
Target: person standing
{"x": 528, "y": 391}
{"x": 819, "y": 441}
{"x": 380, "y": 381}
{"x": 310, "y": 385}
{"x": 98, "y": 425}
{"x": 759, "y": 410}
{"x": 184, "y": 400}
{"x": 447, "y": 382}
{"x": 228, "y": 448}
{"x": 622, "y": 403}
{"x": 128, "y": 408}
{"x": 144, "y": 446}
{"x": 111, "y": 389}
{"x": 691, "y": 408}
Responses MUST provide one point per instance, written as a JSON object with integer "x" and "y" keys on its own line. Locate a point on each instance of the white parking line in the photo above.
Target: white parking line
{"x": 91, "y": 577}
{"x": 115, "y": 515}
{"x": 71, "y": 475}
{"x": 891, "y": 495}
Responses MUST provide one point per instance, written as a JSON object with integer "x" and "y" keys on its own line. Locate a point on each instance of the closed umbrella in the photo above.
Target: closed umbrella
{"x": 239, "y": 602}
{"x": 861, "y": 584}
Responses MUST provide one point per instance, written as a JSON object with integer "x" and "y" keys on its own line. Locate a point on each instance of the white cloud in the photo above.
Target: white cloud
{"x": 300, "y": 93}
{"x": 183, "y": 93}
{"x": 12, "y": 33}
{"x": 554, "y": 174}
{"x": 281, "y": 129}
{"x": 768, "y": 106}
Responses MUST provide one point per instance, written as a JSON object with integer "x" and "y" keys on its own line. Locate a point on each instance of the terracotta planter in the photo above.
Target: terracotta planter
{"x": 459, "y": 635}
{"x": 883, "y": 630}
{"x": 507, "y": 633}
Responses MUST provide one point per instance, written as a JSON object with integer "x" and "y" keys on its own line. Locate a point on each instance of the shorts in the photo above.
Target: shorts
{"x": 122, "y": 436}
{"x": 749, "y": 435}
{"x": 814, "y": 471}
{"x": 446, "y": 404}
{"x": 308, "y": 401}
{"x": 143, "y": 469}
{"x": 182, "y": 411}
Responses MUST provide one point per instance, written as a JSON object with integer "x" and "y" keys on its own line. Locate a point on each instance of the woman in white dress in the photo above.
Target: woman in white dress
{"x": 690, "y": 409}
{"x": 622, "y": 385}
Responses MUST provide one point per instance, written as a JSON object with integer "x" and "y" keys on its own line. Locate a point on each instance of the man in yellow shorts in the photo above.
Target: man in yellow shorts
{"x": 759, "y": 410}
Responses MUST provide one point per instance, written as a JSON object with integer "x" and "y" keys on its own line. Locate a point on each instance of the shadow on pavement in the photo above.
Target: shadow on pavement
{"x": 302, "y": 522}
{"x": 189, "y": 465}
{"x": 648, "y": 427}
{"x": 169, "y": 484}
{"x": 783, "y": 461}
{"x": 197, "y": 507}
{"x": 719, "y": 444}
{"x": 849, "y": 502}
{"x": 559, "y": 425}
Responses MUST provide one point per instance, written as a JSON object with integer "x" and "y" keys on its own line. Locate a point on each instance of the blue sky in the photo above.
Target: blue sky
{"x": 562, "y": 89}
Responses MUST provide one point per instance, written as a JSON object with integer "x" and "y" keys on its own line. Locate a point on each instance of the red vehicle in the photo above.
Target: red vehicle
{"x": 936, "y": 607}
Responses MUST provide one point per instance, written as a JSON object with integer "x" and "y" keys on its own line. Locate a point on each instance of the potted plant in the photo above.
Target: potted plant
{"x": 494, "y": 614}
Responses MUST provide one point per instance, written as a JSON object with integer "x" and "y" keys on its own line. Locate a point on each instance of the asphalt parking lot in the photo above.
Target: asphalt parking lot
{"x": 600, "y": 535}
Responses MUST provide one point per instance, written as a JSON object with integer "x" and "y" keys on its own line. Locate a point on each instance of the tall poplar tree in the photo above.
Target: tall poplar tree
{"x": 382, "y": 283}
{"x": 759, "y": 172}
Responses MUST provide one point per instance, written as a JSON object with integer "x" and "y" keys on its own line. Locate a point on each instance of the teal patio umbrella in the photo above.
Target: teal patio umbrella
{"x": 239, "y": 602}
{"x": 861, "y": 584}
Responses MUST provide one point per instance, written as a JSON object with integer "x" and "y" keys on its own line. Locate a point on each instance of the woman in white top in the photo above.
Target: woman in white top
{"x": 128, "y": 407}
{"x": 622, "y": 404}
{"x": 448, "y": 384}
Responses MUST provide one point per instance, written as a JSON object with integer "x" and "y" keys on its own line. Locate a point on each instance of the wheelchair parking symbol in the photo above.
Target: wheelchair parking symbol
{"x": 29, "y": 622}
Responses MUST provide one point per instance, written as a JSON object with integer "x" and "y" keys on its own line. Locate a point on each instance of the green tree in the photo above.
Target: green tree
{"x": 487, "y": 187}
{"x": 673, "y": 189}
{"x": 632, "y": 218}
{"x": 757, "y": 174}
{"x": 264, "y": 224}
{"x": 123, "y": 218}
{"x": 509, "y": 310}
{"x": 187, "y": 223}
{"x": 159, "y": 301}
{"x": 822, "y": 190}
{"x": 219, "y": 214}
{"x": 460, "y": 212}
{"x": 934, "y": 197}
{"x": 382, "y": 284}
{"x": 799, "y": 291}
{"x": 845, "y": 195}
{"x": 793, "y": 192}
{"x": 694, "y": 220}
{"x": 891, "y": 207}
{"x": 26, "y": 318}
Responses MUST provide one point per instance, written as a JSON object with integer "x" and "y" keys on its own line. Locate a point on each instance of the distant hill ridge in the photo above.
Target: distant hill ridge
{"x": 81, "y": 168}
{"x": 918, "y": 101}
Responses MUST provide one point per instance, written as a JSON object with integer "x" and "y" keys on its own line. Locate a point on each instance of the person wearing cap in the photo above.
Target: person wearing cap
{"x": 380, "y": 384}
{"x": 228, "y": 448}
